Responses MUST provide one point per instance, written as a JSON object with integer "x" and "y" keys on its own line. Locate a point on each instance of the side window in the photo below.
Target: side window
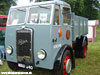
{"x": 66, "y": 16}
{"x": 57, "y": 16}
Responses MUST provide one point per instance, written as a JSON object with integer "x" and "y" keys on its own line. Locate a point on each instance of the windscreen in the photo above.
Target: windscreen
{"x": 40, "y": 15}
{"x": 17, "y": 16}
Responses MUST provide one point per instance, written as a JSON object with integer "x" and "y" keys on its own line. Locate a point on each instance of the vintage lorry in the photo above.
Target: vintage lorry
{"x": 45, "y": 35}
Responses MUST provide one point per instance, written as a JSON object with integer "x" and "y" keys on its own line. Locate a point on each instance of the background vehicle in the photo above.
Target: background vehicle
{"x": 45, "y": 35}
{"x": 3, "y": 20}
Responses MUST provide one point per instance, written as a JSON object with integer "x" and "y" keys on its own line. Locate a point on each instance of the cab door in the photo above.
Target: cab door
{"x": 66, "y": 23}
{"x": 61, "y": 30}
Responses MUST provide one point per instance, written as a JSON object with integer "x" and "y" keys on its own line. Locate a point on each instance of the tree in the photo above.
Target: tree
{"x": 79, "y": 5}
{"x": 89, "y": 11}
{"x": 76, "y": 6}
{"x": 72, "y": 3}
{"x": 4, "y": 6}
{"x": 85, "y": 8}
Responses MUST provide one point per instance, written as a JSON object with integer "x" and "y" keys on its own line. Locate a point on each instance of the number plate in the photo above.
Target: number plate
{"x": 24, "y": 66}
{"x": 21, "y": 65}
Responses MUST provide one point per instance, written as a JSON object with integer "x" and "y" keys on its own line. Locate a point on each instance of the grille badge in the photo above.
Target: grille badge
{"x": 21, "y": 42}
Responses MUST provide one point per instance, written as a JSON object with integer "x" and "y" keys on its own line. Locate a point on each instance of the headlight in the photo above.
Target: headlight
{"x": 41, "y": 54}
{"x": 9, "y": 50}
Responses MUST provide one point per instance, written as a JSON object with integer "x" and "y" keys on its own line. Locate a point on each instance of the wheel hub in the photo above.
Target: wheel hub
{"x": 67, "y": 65}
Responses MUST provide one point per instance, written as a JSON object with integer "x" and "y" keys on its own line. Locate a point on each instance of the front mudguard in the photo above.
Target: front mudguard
{"x": 60, "y": 55}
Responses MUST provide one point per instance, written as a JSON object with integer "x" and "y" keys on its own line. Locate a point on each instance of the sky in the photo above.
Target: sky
{"x": 22, "y": 2}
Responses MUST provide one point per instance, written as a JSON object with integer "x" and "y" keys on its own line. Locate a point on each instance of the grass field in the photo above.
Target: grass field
{"x": 88, "y": 66}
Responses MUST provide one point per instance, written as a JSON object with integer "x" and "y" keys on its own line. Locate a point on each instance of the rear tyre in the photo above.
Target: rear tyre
{"x": 66, "y": 64}
{"x": 13, "y": 66}
{"x": 80, "y": 48}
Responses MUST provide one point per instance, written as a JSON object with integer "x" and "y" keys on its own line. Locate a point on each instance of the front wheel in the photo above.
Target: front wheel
{"x": 66, "y": 64}
{"x": 13, "y": 66}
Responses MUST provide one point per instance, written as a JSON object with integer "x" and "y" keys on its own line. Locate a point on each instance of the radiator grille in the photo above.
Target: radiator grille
{"x": 23, "y": 42}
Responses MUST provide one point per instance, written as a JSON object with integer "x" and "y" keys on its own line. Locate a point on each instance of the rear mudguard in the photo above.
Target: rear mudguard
{"x": 85, "y": 39}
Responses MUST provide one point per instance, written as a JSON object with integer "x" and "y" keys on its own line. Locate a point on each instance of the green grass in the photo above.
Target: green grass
{"x": 88, "y": 66}
{"x": 91, "y": 64}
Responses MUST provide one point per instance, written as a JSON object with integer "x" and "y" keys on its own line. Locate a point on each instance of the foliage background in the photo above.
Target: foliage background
{"x": 5, "y": 5}
{"x": 86, "y": 8}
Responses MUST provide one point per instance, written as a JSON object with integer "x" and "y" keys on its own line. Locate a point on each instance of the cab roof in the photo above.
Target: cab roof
{"x": 43, "y": 3}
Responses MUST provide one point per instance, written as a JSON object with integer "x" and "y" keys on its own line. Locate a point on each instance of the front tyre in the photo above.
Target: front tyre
{"x": 13, "y": 66}
{"x": 66, "y": 64}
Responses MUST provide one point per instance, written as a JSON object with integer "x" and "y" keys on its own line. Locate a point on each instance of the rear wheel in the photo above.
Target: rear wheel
{"x": 83, "y": 53}
{"x": 80, "y": 48}
{"x": 12, "y": 65}
{"x": 66, "y": 64}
